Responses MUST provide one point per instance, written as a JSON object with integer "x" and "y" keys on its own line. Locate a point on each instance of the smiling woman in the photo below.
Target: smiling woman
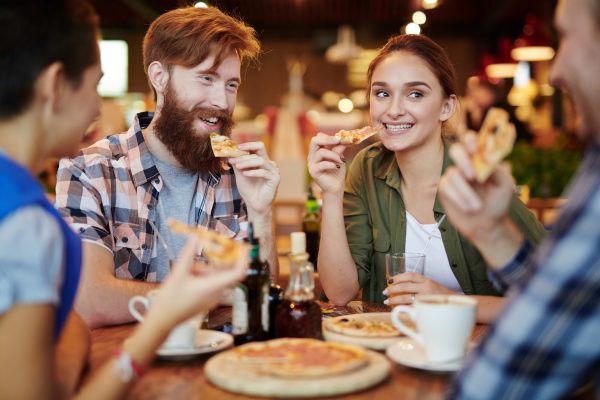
{"x": 389, "y": 201}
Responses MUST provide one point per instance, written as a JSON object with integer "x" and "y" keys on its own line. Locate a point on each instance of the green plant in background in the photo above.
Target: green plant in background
{"x": 545, "y": 170}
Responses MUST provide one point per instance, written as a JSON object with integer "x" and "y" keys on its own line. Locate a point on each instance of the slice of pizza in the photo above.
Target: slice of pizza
{"x": 301, "y": 358}
{"x": 222, "y": 146}
{"x": 362, "y": 327}
{"x": 495, "y": 141}
{"x": 356, "y": 136}
{"x": 222, "y": 251}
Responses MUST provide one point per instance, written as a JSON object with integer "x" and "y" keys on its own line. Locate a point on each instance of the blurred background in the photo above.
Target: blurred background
{"x": 311, "y": 76}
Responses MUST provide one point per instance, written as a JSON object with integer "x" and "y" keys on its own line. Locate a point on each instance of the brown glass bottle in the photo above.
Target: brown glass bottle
{"x": 299, "y": 315}
{"x": 311, "y": 225}
{"x": 250, "y": 311}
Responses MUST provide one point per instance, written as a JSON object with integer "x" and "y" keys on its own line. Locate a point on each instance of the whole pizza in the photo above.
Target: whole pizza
{"x": 300, "y": 358}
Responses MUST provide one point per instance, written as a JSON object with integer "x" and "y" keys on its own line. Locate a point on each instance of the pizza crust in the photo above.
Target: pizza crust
{"x": 356, "y": 136}
{"x": 222, "y": 146}
{"x": 289, "y": 358}
{"x": 495, "y": 141}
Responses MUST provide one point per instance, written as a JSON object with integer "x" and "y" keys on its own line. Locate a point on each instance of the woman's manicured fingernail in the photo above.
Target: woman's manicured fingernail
{"x": 385, "y": 292}
{"x": 386, "y": 302}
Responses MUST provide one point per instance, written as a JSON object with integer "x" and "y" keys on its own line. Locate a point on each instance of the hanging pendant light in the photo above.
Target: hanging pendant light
{"x": 346, "y": 48}
{"x": 533, "y": 44}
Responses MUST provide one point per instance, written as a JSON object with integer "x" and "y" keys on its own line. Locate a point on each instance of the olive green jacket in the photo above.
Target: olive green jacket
{"x": 375, "y": 218}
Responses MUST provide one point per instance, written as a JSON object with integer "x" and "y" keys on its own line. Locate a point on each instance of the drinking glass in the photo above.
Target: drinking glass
{"x": 399, "y": 263}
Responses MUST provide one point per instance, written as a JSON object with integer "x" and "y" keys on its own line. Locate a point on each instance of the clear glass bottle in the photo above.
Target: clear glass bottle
{"x": 298, "y": 315}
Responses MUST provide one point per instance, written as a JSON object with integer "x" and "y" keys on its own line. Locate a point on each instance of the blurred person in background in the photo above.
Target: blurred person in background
{"x": 545, "y": 343}
{"x": 389, "y": 203}
{"x": 480, "y": 96}
{"x": 116, "y": 190}
{"x": 49, "y": 59}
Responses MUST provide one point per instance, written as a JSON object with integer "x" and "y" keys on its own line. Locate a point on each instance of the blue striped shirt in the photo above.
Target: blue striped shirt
{"x": 547, "y": 341}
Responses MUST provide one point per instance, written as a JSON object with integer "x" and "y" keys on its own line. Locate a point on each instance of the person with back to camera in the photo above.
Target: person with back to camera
{"x": 389, "y": 202}
{"x": 50, "y": 68}
{"x": 545, "y": 343}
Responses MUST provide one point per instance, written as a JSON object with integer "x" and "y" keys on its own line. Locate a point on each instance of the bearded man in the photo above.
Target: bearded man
{"x": 117, "y": 191}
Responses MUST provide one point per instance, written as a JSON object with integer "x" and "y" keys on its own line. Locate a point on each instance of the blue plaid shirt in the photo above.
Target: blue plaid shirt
{"x": 547, "y": 341}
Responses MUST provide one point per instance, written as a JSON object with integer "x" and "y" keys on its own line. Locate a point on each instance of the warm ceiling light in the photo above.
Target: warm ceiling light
{"x": 330, "y": 98}
{"x": 429, "y": 4}
{"x": 345, "y": 105}
{"x": 501, "y": 70}
{"x": 533, "y": 44}
{"x": 419, "y": 17}
{"x": 345, "y": 49}
{"x": 201, "y": 4}
{"x": 412, "y": 29}
{"x": 533, "y": 53}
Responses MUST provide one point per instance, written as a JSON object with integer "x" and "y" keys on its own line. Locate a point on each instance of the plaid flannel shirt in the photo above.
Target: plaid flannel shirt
{"x": 547, "y": 340}
{"x": 110, "y": 191}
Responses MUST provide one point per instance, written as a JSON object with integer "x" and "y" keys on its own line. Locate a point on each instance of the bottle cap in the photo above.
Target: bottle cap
{"x": 298, "y": 242}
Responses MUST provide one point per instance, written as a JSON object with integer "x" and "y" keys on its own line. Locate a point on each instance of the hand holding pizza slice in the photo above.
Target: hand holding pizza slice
{"x": 220, "y": 250}
{"x": 356, "y": 136}
{"x": 495, "y": 141}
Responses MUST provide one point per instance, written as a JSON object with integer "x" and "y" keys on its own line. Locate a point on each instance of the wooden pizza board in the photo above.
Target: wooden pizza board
{"x": 224, "y": 372}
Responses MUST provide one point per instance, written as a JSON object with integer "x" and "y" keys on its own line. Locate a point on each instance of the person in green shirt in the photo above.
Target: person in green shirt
{"x": 389, "y": 201}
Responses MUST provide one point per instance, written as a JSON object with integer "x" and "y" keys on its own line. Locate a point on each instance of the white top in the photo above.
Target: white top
{"x": 437, "y": 266}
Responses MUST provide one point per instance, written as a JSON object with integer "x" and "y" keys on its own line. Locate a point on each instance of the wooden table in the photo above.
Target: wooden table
{"x": 185, "y": 380}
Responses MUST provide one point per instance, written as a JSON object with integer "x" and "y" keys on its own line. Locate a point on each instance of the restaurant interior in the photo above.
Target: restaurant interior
{"x": 310, "y": 77}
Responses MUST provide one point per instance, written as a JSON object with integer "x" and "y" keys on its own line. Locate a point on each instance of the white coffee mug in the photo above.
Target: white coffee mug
{"x": 181, "y": 337}
{"x": 444, "y": 324}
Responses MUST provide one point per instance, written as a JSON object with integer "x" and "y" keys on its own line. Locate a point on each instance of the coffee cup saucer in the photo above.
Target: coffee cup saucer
{"x": 410, "y": 353}
{"x": 206, "y": 341}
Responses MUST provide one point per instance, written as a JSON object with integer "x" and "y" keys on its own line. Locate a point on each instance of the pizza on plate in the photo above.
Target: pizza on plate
{"x": 356, "y": 136}
{"x": 222, "y": 251}
{"x": 300, "y": 358}
{"x": 362, "y": 327}
{"x": 495, "y": 141}
{"x": 222, "y": 146}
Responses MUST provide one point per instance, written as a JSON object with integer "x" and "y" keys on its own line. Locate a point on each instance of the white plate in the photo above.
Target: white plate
{"x": 207, "y": 341}
{"x": 411, "y": 354}
{"x": 370, "y": 342}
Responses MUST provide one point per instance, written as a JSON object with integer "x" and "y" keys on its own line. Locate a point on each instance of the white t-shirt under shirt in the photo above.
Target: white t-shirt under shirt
{"x": 437, "y": 266}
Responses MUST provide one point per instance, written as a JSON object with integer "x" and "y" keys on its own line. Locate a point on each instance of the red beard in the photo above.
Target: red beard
{"x": 174, "y": 127}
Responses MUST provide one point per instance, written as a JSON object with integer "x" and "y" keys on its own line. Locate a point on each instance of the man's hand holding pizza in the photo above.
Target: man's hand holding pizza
{"x": 479, "y": 210}
{"x": 257, "y": 177}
